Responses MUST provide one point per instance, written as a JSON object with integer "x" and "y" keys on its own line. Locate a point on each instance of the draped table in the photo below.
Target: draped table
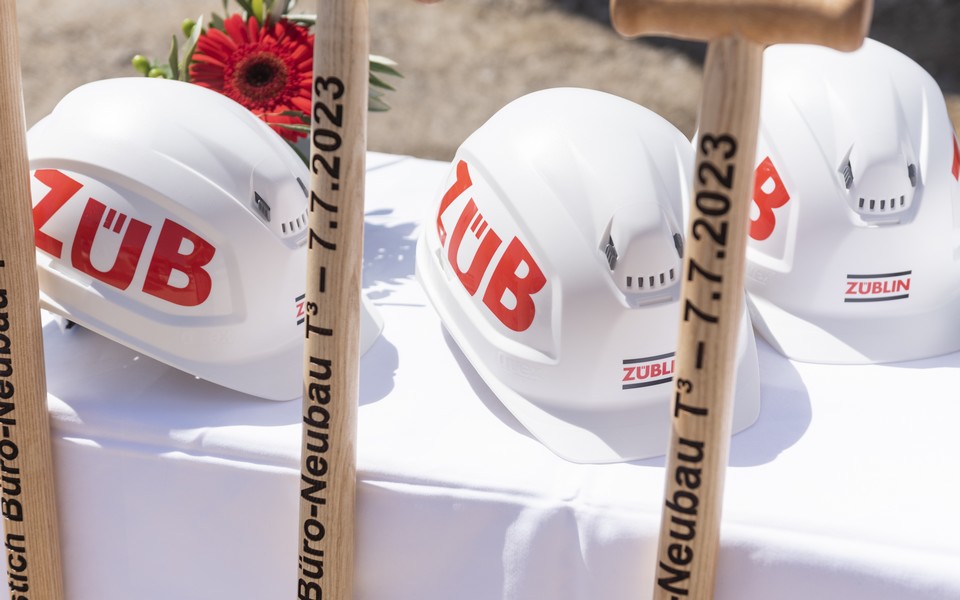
{"x": 171, "y": 488}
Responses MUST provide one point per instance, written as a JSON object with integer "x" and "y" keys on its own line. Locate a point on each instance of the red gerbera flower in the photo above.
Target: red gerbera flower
{"x": 266, "y": 68}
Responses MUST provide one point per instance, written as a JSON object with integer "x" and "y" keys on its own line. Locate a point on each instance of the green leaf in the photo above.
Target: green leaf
{"x": 377, "y": 105}
{"x": 258, "y": 10}
{"x": 278, "y": 9}
{"x": 191, "y": 45}
{"x": 216, "y": 21}
{"x": 293, "y": 127}
{"x": 303, "y": 19}
{"x": 174, "y": 60}
{"x": 375, "y": 101}
{"x": 377, "y": 82}
{"x": 247, "y": 7}
{"x": 296, "y": 113}
{"x": 382, "y": 64}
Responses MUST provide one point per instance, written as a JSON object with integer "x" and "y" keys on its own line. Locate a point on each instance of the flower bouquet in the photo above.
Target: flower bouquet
{"x": 261, "y": 56}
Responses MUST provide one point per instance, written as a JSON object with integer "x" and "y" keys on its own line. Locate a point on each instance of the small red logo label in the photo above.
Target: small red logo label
{"x": 179, "y": 254}
{"x": 516, "y": 277}
{"x": 878, "y": 287}
{"x": 645, "y": 372}
{"x": 301, "y": 314}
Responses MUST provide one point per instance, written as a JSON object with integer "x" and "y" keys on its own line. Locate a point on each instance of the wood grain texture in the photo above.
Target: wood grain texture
{"x": 711, "y": 300}
{"x": 332, "y": 303}
{"x": 28, "y": 503}
{"x": 840, "y": 24}
{"x": 711, "y": 297}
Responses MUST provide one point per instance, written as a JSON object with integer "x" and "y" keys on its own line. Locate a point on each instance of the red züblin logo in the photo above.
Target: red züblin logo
{"x": 651, "y": 370}
{"x": 508, "y": 294}
{"x": 98, "y": 218}
{"x": 878, "y": 287}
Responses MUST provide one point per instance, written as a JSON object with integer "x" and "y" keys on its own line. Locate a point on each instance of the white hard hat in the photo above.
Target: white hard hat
{"x": 172, "y": 220}
{"x": 855, "y": 238}
{"x": 553, "y": 257}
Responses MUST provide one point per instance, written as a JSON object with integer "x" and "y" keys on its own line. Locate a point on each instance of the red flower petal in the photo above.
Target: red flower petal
{"x": 234, "y": 27}
{"x": 302, "y": 104}
{"x": 267, "y": 69}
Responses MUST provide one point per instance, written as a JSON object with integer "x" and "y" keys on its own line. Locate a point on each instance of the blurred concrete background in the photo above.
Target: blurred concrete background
{"x": 462, "y": 59}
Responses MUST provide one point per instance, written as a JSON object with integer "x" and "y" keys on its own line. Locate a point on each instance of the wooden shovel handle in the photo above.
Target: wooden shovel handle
{"x": 28, "y": 500}
{"x": 332, "y": 304}
{"x": 711, "y": 301}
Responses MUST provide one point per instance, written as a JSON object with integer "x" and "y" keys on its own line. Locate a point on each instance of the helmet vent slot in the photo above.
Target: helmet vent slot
{"x": 882, "y": 205}
{"x": 912, "y": 174}
{"x": 296, "y": 225}
{"x": 261, "y": 205}
{"x": 847, "y": 172}
{"x": 653, "y": 282}
{"x": 610, "y": 250}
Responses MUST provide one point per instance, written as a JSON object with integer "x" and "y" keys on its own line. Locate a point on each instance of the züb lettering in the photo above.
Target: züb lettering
{"x": 769, "y": 193}
{"x": 515, "y": 277}
{"x": 175, "y": 269}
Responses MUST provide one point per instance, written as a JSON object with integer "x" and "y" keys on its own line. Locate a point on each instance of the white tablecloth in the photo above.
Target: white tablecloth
{"x": 170, "y": 488}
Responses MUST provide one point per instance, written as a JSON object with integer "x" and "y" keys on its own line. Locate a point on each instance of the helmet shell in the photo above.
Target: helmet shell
{"x": 172, "y": 220}
{"x": 855, "y": 232}
{"x": 553, "y": 257}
